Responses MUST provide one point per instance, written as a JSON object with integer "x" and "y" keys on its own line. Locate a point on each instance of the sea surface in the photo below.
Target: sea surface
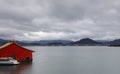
{"x": 69, "y": 60}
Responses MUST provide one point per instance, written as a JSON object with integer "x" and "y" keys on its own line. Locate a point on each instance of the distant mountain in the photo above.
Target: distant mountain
{"x": 103, "y": 42}
{"x": 2, "y": 41}
{"x": 46, "y": 42}
{"x": 86, "y": 41}
{"x": 117, "y": 41}
{"x": 23, "y": 43}
{"x": 41, "y": 42}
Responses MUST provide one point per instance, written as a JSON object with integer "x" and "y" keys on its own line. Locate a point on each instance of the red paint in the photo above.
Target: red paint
{"x": 20, "y": 52}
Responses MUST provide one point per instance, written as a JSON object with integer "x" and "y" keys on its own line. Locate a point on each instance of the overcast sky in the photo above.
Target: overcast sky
{"x": 59, "y": 19}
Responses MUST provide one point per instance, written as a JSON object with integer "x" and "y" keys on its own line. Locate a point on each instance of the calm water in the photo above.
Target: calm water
{"x": 69, "y": 60}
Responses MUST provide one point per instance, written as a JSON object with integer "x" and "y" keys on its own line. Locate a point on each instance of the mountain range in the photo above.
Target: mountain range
{"x": 81, "y": 42}
{"x": 86, "y": 41}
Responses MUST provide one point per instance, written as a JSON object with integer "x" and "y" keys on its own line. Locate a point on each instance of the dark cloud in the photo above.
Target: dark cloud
{"x": 67, "y": 10}
{"x": 59, "y": 19}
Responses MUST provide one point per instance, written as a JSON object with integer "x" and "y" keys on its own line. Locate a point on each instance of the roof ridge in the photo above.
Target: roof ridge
{"x": 12, "y": 42}
{"x": 6, "y": 44}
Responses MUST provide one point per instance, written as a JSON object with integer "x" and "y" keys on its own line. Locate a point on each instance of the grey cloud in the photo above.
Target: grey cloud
{"x": 67, "y": 10}
{"x": 64, "y": 19}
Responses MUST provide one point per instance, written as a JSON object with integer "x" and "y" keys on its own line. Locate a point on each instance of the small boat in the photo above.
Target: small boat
{"x": 8, "y": 61}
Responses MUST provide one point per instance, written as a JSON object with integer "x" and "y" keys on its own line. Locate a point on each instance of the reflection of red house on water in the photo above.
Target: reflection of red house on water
{"x": 11, "y": 49}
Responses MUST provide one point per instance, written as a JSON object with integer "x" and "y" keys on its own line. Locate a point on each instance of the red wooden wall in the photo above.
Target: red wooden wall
{"x": 20, "y": 52}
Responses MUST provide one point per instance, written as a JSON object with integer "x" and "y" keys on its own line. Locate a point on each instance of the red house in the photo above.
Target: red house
{"x": 11, "y": 49}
